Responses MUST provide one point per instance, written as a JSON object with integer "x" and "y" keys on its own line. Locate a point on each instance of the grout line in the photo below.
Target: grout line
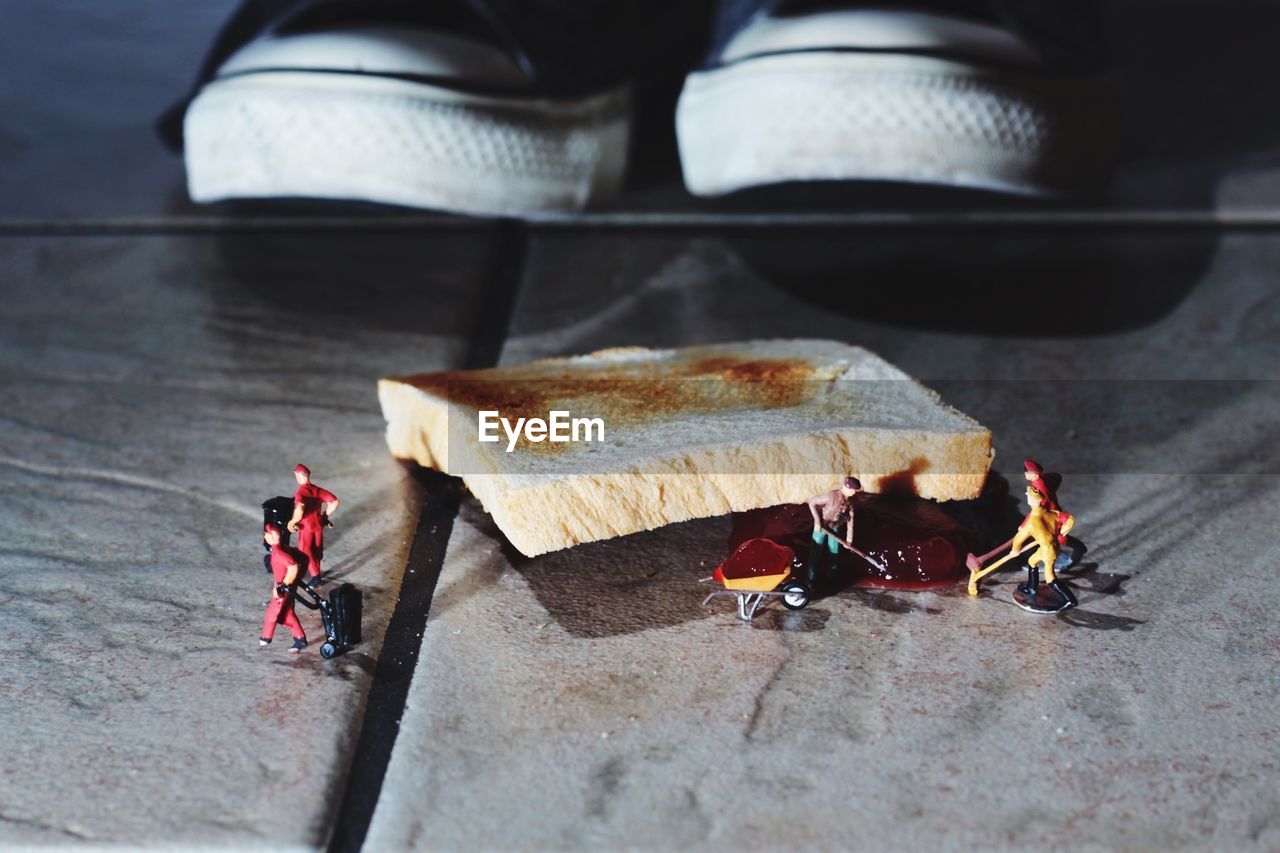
{"x": 402, "y": 642}
{"x": 200, "y": 224}
{"x": 909, "y": 219}
{"x": 493, "y": 322}
{"x": 397, "y": 661}
{"x": 606, "y": 220}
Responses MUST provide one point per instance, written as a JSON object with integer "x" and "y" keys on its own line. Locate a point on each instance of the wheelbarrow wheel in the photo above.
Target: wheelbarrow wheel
{"x": 795, "y": 595}
{"x": 328, "y": 650}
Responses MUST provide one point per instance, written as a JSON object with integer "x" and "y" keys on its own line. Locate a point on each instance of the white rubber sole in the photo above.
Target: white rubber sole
{"x": 851, "y": 116}
{"x": 346, "y": 136}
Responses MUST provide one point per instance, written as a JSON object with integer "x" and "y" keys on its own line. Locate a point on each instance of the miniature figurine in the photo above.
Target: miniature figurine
{"x": 1047, "y": 485}
{"x": 828, "y": 509}
{"x": 1044, "y": 526}
{"x": 312, "y": 508}
{"x": 284, "y": 572}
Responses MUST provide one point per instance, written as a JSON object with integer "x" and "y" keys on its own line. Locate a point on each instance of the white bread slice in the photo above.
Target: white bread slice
{"x": 689, "y": 433}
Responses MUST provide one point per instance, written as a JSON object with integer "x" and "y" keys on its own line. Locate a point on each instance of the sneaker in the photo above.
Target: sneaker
{"x": 298, "y": 645}
{"x": 314, "y": 581}
{"x": 475, "y": 106}
{"x": 264, "y": 641}
{"x": 915, "y": 92}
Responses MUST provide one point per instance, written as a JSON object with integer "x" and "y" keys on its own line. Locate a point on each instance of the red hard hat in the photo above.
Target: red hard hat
{"x": 301, "y": 469}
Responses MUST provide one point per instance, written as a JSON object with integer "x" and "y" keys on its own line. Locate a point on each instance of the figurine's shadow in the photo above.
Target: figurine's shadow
{"x": 1095, "y": 621}
{"x": 349, "y": 563}
{"x": 887, "y": 601}
{"x": 777, "y": 618}
{"x": 1086, "y": 578}
{"x": 349, "y": 666}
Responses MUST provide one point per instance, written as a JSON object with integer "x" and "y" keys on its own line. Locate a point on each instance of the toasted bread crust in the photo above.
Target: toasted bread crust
{"x": 783, "y": 428}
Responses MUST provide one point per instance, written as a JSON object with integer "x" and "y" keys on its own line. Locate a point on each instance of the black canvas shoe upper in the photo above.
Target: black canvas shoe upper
{"x": 564, "y": 48}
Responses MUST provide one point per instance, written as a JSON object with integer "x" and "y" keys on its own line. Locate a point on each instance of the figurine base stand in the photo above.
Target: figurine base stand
{"x": 1044, "y": 598}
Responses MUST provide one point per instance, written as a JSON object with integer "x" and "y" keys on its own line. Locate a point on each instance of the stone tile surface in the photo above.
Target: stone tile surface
{"x": 155, "y": 390}
{"x": 585, "y": 699}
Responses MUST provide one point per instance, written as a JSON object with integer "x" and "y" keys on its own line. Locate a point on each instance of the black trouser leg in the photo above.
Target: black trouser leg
{"x": 815, "y": 566}
{"x": 821, "y": 562}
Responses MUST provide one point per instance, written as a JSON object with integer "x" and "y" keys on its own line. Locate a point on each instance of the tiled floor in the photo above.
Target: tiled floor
{"x": 162, "y": 367}
{"x": 156, "y": 390}
{"x": 583, "y": 699}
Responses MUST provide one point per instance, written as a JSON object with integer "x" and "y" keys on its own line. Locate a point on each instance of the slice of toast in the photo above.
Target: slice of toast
{"x": 687, "y": 433}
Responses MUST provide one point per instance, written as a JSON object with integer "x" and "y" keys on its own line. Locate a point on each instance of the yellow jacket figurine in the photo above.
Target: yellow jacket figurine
{"x": 1041, "y": 529}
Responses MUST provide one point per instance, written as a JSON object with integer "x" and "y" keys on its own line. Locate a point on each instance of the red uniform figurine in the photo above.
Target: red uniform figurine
{"x": 312, "y": 506}
{"x": 284, "y": 570}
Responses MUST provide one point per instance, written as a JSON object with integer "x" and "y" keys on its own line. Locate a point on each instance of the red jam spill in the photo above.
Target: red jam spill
{"x": 755, "y": 558}
{"x": 919, "y": 544}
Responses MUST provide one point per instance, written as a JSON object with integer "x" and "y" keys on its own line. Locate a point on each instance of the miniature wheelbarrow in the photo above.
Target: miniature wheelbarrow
{"x": 759, "y": 569}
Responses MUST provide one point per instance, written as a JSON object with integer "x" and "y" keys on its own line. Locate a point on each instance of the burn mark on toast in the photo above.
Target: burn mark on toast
{"x": 627, "y": 395}
{"x": 749, "y": 370}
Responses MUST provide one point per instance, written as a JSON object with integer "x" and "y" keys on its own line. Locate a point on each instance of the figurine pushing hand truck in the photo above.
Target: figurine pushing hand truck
{"x": 284, "y": 574}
